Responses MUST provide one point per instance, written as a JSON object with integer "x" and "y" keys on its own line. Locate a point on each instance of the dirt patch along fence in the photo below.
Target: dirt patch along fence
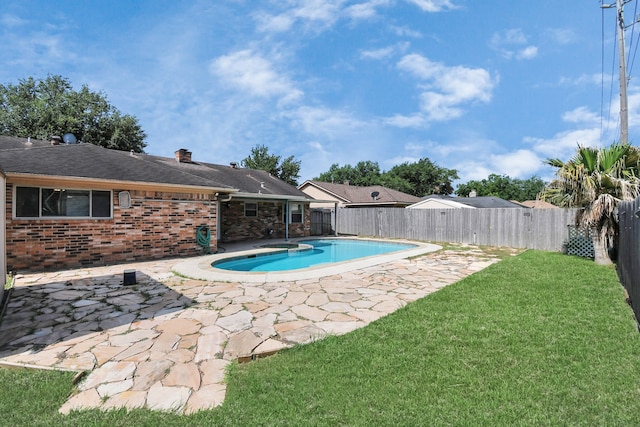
{"x": 628, "y": 257}
{"x": 545, "y": 229}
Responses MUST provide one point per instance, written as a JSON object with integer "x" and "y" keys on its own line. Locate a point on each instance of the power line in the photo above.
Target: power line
{"x": 635, "y": 48}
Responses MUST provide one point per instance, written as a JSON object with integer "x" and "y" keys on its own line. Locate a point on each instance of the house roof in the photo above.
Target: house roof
{"x": 537, "y": 204}
{"x": 439, "y": 203}
{"x": 353, "y": 195}
{"x": 40, "y": 158}
{"x": 483, "y": 202}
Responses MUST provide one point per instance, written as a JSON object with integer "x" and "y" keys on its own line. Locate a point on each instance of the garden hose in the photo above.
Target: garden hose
{"x": 203, "y": 238}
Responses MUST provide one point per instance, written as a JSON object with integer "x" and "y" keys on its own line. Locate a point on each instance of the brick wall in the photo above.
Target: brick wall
{"x": 158, "y": 225}
{"x": 268, "y": 224}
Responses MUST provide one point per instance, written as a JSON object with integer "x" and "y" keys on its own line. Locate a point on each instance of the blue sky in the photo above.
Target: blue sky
{"x": 477, "y": 86}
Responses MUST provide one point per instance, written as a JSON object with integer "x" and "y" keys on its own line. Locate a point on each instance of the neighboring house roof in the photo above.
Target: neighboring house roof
{"x": 439, "y": 203}
{"x": 537, "y": 204}
{"x": 483, "y": 202}
{"x": 39, "y": 158}
{"x": 355, "y": 196}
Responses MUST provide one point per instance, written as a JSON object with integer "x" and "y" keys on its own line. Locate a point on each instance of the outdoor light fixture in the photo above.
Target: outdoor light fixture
{"x": 124, "y": 199}
{"x": 637, "y": 213}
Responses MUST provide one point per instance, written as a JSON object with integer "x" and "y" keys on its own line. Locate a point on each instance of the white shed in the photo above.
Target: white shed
{"x": 439, "y": 203}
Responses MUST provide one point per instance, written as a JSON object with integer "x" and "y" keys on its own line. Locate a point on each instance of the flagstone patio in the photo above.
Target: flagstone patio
{"x": 164, "y": 343}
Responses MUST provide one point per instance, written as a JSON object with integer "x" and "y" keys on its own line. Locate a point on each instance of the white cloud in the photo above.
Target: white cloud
{"x": 513, "y": 36}
{"x": 381, "y": 53}
{"x": 317, "y": 10}
{"x": 528, "y": 52}
{"x": 561, "y": 35}
{"x": 406, "y": 32}
{"x": 254, "y": 74}
{"x": 472, "y": 170}
{"x": 316, "y": 146}
{"x": 582, "y": 115}
{"x": 563, "y": 144}
{"x": 309, "y": 12}
{"x": 433, "y": 5}
{"x": 8, "y": 20}
{"x": 320, "y": 14}
{"x": 584, "y": 79}
{"x": 384, "y": 52}
{"x": 365, "y": 10}
{"x": 446, "y": 89}
{"x": 274, "y": 23}
{"x": 521, "y": 164}
{"x": 517, "y": 164}
{"x": 325, "y": 122}
{"x": 511, "y": 44}
{"x": 337, "y": 136}
{"x": 410, "y": 121}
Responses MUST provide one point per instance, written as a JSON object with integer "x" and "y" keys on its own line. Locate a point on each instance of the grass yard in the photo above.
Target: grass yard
{"x": 538, "y": 339}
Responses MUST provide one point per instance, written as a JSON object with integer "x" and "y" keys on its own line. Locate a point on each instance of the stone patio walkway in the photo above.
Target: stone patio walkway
{"x": 164, "y": 343}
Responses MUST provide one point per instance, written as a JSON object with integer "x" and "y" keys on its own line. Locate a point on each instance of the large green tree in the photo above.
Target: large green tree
{"x": 419, "y": 179}
{"x": 288, "y": 169}
{"x": 423, "y": 178}
{"x": 504, "y": 187}
{"x": 362, "y": 174}
{"x": 596, "y": 180}
{"x": 40, "y": 108}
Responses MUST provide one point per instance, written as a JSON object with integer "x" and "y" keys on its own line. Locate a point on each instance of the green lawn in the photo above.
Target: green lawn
{"x": 538, "y": 339}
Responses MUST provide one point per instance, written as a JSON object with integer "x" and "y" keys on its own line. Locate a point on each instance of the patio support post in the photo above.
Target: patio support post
{"x": 286, "y": 220}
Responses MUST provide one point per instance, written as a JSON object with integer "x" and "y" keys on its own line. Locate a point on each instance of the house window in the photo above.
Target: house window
{"x": 34, "y": 202}
{"x": 296, "y": 211}
{"x": 250, "y": 209}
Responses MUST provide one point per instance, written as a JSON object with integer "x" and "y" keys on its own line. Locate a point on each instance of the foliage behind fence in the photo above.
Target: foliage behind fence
{"x": 628, "y": 264}
{"x": 545, "y": 229}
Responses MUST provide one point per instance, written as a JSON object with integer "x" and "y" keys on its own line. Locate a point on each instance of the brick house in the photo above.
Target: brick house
{"x": 72, "y": 205}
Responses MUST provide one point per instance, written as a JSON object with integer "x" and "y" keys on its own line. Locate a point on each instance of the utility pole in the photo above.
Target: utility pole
{"x": 624, "y": 113}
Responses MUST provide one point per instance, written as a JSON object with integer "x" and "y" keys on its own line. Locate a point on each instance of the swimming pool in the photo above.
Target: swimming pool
{"x": 310, "y": 253}
{"x": 205, "y": 268}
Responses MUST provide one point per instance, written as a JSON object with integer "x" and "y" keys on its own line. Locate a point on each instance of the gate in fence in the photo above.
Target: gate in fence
{"x": 321, "y": 222}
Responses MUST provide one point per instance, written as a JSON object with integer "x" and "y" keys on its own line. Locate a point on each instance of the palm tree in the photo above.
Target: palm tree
{"x": 596, "y": 179}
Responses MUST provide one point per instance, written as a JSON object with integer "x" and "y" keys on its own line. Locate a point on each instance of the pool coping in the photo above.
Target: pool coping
{"x": 200, "y": 267}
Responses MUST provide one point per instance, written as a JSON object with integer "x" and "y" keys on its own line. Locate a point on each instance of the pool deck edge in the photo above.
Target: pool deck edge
{"x": 200, "y": 268}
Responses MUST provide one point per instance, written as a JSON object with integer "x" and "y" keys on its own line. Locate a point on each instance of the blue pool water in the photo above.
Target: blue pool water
{"x": 324, "y": 251}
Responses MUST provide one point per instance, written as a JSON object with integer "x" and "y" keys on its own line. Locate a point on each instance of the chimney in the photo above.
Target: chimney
{"x": 346, "y": 182}
{"x": 233, "y": 165}
{"x": 473, "y": 193}
{"x": 56, "y": 140}
{"x": 183, "y": 155}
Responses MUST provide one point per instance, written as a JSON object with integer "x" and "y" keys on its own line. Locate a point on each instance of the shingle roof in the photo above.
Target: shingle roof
{"x": 355, "y": 195}
{"x": 479, "y": 202}
{"x": 537, "y": 204}
{"x": 94, "y": 162}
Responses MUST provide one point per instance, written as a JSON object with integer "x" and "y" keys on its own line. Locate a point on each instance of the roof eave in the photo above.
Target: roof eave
{"x": 378, "y": 204}
{"x": 321, "y": 188}
{"x": 114, "y": 182}
{"x": 244, "y": 195}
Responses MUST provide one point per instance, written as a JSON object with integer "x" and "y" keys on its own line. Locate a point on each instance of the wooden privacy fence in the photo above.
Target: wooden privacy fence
{"x": 545, "y": 229}
{"x": 628, "y": 263}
